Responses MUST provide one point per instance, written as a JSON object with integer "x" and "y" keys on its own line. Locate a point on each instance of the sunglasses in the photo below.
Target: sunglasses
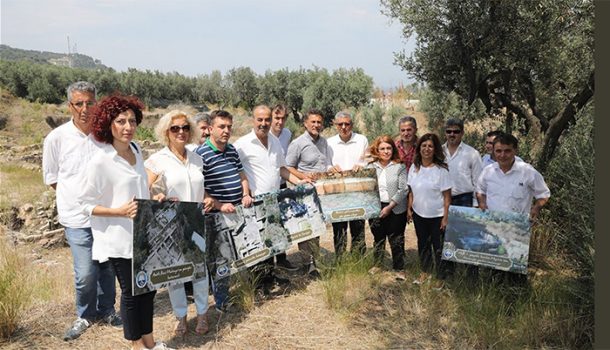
{"x": 176, "y": 128}
{"x": 343, "y": 124}
{"x": 80, "y": 104}
{"x": 452, "y": 131}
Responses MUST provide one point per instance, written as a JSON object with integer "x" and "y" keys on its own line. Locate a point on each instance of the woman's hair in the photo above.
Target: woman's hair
{"x": 373, "y": 149}
{"x": 162, "y": 128}
{"x": 108, "y": 109}
{"x": 438, "y": 158}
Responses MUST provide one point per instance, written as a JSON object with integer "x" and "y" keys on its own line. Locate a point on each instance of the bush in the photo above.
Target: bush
{"x": 15, "y": 288}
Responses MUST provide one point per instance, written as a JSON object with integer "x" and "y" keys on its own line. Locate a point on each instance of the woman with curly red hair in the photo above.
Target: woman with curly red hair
{"x": 115, "y": 176}
{"x": 392, "y": 181}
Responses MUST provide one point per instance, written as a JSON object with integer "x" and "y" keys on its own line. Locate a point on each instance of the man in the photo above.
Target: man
{"x": 307, "y": 154}
{"x": 263, "y": 160}
{"x": 62, "y": 165}
{"x": 226, "y": 184}
{"x": 511, "y": 185}
{"x": 464, "y": 164}
{"x": 278, "y": 130}
{"x": 202, "y": 120}
{"x": 407, "y": 140}
{"x": 489, "y": 158}
{"x": 348, "y": 150}
{"x": 284, "y": 135}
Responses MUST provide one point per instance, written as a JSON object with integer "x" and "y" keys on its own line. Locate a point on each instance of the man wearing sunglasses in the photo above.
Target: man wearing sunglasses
{"x": 62, "y": 165}
{"x": 348, "y": 150}
{"x": 464, "y": 164}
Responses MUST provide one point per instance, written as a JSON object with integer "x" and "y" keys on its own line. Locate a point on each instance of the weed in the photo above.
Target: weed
{"x": 15, "y": 288}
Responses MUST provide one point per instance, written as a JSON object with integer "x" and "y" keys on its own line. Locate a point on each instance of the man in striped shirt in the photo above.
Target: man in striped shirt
{"x": 226, "y": 184}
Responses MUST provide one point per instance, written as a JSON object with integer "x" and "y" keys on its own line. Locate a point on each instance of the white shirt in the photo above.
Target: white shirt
{"x": 63, "y": 163}
{"x": 110, "y": 181}
{"x": 488, "y": 160}
{"x": 347, "y": 154}
{"x": 427, "y": 186}
{"x": 285, "y": 136}
{"x": 182, "y": 180}
{"x": 513, "y": 190}
{"x": 261, "y": 164}
{"x": 464, "y": 168}
{"x": 382, "y": 182}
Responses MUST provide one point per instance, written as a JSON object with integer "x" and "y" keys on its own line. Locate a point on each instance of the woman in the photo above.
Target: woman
{"x": 179, "y": 172}
{"x": 115, "y": 176}
{"x": 391, "y": 177}
{"x": 429, "y": 199}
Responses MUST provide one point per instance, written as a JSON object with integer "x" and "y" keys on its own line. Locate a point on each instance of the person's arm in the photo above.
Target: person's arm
{"x": 152, "y": 177}
{"x": 446, "y": 203}
{"x": 50, "y": 165}
{"x": 538, "y": 204}
{"x": 482, "y": 200}
{"x": 410, "y": 206}
{"x": 246, "y": 198}
{"x": 129, "y": 209}
{"x": 293, "y": 179}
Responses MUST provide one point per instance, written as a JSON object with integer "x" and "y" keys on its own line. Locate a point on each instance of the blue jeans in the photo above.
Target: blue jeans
{"x": 94, "y": 282}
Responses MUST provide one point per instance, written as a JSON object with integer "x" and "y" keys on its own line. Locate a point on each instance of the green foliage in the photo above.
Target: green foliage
{"x": 145, "y": 133}
{"x": 377, "y": 121}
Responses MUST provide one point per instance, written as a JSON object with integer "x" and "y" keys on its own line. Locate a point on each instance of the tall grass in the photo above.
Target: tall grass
{"x": 15, "y": 288}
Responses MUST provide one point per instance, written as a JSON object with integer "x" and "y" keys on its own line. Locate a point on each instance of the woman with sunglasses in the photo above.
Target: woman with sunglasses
{"x": 115, "y": 175}
{"x": 177, "y": 173}
{"x": 428, "y": 205}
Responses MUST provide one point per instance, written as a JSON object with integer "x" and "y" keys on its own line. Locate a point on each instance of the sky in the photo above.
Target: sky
{"x": 194, "y": 37}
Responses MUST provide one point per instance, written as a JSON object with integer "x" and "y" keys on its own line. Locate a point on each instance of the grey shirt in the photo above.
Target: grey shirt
{"x": 307, "y": 155}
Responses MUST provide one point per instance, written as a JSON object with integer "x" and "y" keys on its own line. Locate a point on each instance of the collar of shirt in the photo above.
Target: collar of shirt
{"x": 351, "y": 138}
{"x": 214, "y": 148}
{"x": 457, "y": 150}
{"x": 308, "y": 136}
{"x": 513, "y": 167}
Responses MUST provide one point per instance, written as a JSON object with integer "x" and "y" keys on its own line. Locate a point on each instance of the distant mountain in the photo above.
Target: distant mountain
{"x": 76, "y": 60}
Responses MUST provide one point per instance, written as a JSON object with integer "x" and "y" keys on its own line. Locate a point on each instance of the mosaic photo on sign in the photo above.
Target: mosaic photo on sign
{"x": 269, "y": 227}
{"x": 349, "y": 195}
{"x": 169, "y": 244}
{"x": 488, "y": 238}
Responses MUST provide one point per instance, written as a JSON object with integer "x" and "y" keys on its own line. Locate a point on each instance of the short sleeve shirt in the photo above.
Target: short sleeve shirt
{"x": 309, "y": 155}
{"x": 350, "y": 153}
{"x": 221, "y": 172}
{"x": 427, "y": 186}
{"x": 182, "y": 180}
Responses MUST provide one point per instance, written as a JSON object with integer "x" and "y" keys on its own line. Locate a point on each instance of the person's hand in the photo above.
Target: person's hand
{"x": 305, "y": 181}
{"x": 409, "y": 215}
{"x": 311, "y": 176}
{"x": 208, "y": 204}
{"x": 482, "y": 206}
{"x": 129, "y": 209}
{"x": 227, "y": 208}
{"x": 534, "y": 214}
{"x": 335, "y": 169}
{"x": 444, "y": 222}
{"x": 357, "y": 167}
{"x": 385, "y": 212}
{"x": 246, "y": 200}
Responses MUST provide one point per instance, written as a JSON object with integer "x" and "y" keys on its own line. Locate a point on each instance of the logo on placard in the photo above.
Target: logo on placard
{"x": 448, "y": 253}
{"x": 222, "y": 270}
{"x": 141, "y": 279}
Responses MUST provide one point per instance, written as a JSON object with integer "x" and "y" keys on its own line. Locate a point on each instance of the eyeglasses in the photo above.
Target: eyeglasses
{"x": 453, "y": 131}
{"x": 176, "y": 128}
{"x": 489, "y": 142}
{"x": 343, "y": 124}
{"x": 80, "y": 104}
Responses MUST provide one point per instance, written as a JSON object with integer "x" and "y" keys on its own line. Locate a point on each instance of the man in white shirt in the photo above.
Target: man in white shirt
{"x": 348, "y": 150}
{"x": 262, "y": 158}
{"x": 489, "y": 158}
{"x": 63, "y": 166}
{"x": 511, "y": 185}
{"x": 464, "y": 164}
{"x": 278, "y": 121}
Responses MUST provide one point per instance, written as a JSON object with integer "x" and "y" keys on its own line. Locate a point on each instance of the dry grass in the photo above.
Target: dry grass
{"x": 19, "y": 185}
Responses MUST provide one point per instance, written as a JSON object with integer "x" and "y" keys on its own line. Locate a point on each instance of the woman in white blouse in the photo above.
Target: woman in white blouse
{"x": 115, "y": 176}
{"x": 429, "y": 199}
{"x": 392, "y": 181}
{"x": 177, "y": 172}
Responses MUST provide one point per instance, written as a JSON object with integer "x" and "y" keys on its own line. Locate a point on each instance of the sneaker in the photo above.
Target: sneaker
{"x": 313, "y": 272}
{"x": 161, "y": 346}
{"x": 286, "y": 265}
{"x": 113, "y": 319}
{"x": 423, "y": 277}
{"x": 78, "y": 328}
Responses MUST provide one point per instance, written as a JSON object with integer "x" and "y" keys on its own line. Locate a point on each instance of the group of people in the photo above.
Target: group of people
{"x": 98, "y": 171}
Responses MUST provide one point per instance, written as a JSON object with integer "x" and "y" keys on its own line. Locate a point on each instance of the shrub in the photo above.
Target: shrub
{"x": 15, "y": 288}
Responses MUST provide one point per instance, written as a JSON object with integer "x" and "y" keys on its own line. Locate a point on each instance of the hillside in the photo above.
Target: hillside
{"x": 75, "y": 60}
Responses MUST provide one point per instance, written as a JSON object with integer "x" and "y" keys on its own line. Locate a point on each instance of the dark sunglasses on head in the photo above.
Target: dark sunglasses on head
{"x": 177, "y": 128}
{"x": 452, "y": 131}
{"x": 80, "y": 104}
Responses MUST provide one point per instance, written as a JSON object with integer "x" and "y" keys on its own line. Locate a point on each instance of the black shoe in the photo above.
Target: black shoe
{"x": 282, "y": 282}
{"x": 286, "y": 265}
{"x": 113, "y": 319}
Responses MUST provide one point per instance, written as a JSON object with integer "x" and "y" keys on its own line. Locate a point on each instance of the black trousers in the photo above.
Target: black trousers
{"x": 429, "y": 242}
{"x": 463, "y": 200}
{"x": 391, "y": 227}
{"x": 356, "y": 227}
{"x": 136, "y": 311}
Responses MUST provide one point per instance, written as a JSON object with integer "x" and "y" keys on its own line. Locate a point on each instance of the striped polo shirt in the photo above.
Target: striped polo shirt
{"x": 221, "y": 172}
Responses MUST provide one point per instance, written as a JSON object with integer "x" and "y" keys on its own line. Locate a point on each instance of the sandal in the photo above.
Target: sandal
{"x": 180, "y": 329}
{"x": 202, "y": 324}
